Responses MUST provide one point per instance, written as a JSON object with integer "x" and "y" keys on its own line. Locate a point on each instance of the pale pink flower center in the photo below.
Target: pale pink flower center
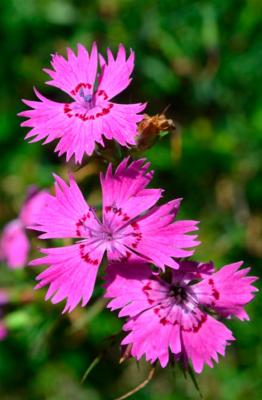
{"x": 175, "y": 304}
{"x": 89, "y": 104}
{"x": 109, "y": 234}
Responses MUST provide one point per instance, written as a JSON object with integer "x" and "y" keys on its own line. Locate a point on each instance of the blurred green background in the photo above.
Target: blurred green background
{"x": 203, "y": 60}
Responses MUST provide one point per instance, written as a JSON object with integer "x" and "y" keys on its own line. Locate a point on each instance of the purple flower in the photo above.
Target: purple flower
{"x": 174, "y": 313}
{"x": 14, "y": 243}
{"x": 131, "y": 223}
{"x": 90, "y": 115}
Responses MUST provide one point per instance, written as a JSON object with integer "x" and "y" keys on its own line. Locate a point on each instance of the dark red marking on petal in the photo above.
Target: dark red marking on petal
{"x": 85, "y": 117}
{"x": 147, "y": 287}
{"x": 79, "y": 86}
{"x": 196, "y": 328}
{"x": 164, "y": 321}
{"x": 86, "y": 257}
{"x": 200, "y": 323}
{"x": 81, "y": 223}
{"x": 102, "y": 93}
{"x": 105, "y": 111}
{"x": 117, "y": 211}
{"x": 156, "y": 311}
{"x": 137, "y": 235}
{"x": 215, "y": 292}
{"x": 134, "y": 225}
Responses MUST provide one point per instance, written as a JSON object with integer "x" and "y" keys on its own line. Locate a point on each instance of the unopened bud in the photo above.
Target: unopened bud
{"x": 150, "y": 128}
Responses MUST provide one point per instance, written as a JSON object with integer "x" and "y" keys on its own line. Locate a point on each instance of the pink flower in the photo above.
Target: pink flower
{"x": 14, "y": 244}
{"x": 3, "y": 331}
{"x": 34, "y": 202}
{"x": 131, "y": 224}
{"x": 90, "y": 115}
{"x": 4, "y": 298}
{"x": 172, "y": 314}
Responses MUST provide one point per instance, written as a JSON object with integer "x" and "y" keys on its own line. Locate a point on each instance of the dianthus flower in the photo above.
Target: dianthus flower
{"x": 131, "y": 223}
{"x": 14, "y": 243}
{"x": 176, "y": 314}
{"x": 90, "y": 115}
{"x": 4, "y": 298}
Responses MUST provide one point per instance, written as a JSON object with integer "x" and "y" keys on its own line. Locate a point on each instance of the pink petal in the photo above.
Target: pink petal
{"x": 121, "y": 123}
{"x": 228, "y": 290}
{"x": 124, "y": 192}
{"x": 67, "y": 74}
{"x": 190, "y": 270}
{"x": 150, "y": 338}
{"x": 14, "y": 244}
{"x": 160, "y": 238}
{"x": 202, "y": 345}
{"x": 71, "y": 274}
{"x": 66, "y": 214}
{"x": 3, "y": 331}
{"x": 116, "y": 72}
{"x": 47, "y": 119}
{"x": 32, "y": 207}
{"x": 124, "y": 283}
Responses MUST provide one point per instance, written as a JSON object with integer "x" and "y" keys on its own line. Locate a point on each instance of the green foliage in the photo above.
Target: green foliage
{"x": 203, "y": 58}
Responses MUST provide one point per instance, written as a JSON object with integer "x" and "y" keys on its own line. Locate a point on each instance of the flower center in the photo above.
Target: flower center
{"x": 88, "y": 99}
{"x": 89, "y": 104}
{"x": 180, "y": 293}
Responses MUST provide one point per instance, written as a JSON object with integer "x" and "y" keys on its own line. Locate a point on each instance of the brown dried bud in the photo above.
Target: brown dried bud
{"x": 149, "y": 129}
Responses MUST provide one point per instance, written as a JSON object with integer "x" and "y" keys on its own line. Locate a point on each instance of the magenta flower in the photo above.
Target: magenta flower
{"x": 172, "y": 314}
{"x": 3, "y": 331}
{"x": 90, "y": 115}
{"x": 34, "y": 202}
{"x": 4, "y": 298}
{"x": 131, "y": 224}
{"x": 14, "y": 243}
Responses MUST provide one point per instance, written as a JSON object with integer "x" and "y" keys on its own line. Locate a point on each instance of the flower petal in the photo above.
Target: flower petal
{"x": 228, "y": 290}
{"x": 47, "y": 119}
{"x": 80, "y": 67}
{"x": 14, "y": 244}
{"x": 148, "y": 337}
{"x": 116, "y": 73}
{"x": 202, "y": 344}
{"x": 33, "y": 206}
{"x": 71, "y": 274}
{"x": 158, "y": 238}
{"x": 124, "y": 283}
{"x": 65, "y": 215}
{"x": 124, "y": 192}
